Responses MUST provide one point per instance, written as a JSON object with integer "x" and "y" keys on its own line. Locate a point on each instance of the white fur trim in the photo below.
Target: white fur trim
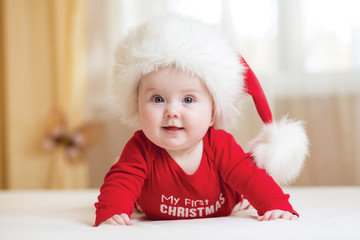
{"x": 281, "y": 149}
{"x": 189, "y": 45}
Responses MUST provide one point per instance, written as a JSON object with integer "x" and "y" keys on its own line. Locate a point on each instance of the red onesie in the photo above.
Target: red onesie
{"x": 146, "y": 174}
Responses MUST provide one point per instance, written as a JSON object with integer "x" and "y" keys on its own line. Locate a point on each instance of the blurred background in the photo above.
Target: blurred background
{"x": 58, "y": 130}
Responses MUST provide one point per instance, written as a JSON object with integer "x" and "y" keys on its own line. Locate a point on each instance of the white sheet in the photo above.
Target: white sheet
{"x": 325, "y": 213}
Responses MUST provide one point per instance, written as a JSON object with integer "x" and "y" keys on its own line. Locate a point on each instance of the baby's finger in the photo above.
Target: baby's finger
{"x": 118, "y": 219}
{"x": 286, "y": 215}
{"x": 276, "y": 214}
{"x": 111, "y": 221}
{"x": 126, "y": 219}
{"x": 265, "y": 217}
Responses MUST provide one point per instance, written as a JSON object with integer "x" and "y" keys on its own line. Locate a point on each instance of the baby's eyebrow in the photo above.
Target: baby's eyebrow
{"x": 191, "y": 90}
{"x": 154, "y": 87}
{"x": 151, "y": 89}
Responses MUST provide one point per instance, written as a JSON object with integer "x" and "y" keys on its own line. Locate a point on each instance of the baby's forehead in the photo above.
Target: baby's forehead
{"x": 171, "y": 78}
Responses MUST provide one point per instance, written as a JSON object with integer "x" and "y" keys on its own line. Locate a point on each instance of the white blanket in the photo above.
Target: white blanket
{"x": 325, "y": 213}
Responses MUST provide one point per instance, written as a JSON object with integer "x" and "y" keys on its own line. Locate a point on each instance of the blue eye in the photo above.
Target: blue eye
{"x": 188, "y": 100}
{"x": 158, "y": 99}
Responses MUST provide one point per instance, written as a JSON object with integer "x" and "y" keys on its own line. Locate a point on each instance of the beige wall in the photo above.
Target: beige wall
{"x": 332, "y": 126}
{"x": 42, "y": 58}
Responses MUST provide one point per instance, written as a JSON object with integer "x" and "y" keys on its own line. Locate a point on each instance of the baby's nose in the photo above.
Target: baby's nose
{"x": 172, "y": 111}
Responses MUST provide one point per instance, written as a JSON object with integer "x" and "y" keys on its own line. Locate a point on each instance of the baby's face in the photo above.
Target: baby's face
{"x": 175, "y": 109}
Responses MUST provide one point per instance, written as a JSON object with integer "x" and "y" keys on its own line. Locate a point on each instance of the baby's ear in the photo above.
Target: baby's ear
{"x": 213, "y": 117}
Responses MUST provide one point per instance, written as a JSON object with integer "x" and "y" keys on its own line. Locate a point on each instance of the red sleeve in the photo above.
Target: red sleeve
{"x": 122, "y": 184}
{"x": 240, "y": 172}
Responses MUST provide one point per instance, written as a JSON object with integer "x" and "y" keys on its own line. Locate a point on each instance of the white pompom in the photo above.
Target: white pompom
{"x": 281, "y": 149}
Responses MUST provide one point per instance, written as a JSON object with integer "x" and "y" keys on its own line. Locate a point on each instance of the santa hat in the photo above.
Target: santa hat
{"x": 200, "y": 49}
{"x": 281, "y": 147}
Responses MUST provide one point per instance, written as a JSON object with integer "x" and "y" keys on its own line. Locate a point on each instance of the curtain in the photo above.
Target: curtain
{"x": 44, "y": 56}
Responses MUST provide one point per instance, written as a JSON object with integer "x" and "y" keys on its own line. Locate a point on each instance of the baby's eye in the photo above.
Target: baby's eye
{"x": 188, "y": 100}
{"x": 158, "y": 99}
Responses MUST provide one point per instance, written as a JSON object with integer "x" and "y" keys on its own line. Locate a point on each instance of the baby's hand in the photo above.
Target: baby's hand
{"x": 122, "y": 219}
{"x": 276, "y": 214}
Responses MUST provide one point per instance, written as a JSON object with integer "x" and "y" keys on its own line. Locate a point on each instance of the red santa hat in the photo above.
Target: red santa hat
{"x": 201, "y": 49}
{"x": 281, "y": 147}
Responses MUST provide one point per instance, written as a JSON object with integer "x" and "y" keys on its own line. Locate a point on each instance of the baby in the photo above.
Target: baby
{"x": 180, "y": 82}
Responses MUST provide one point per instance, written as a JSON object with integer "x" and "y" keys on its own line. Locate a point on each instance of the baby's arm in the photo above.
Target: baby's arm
{"x": 122, "y": 219}
{"x": 123, "y": 183}
{"x": 276, "y": 214}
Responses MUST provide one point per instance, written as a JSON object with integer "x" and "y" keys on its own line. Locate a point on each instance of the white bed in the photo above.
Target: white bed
{"x": 325, "y": 213}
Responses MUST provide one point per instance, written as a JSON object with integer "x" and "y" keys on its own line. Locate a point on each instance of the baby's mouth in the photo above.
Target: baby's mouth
{"x": 172, "y": 129}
